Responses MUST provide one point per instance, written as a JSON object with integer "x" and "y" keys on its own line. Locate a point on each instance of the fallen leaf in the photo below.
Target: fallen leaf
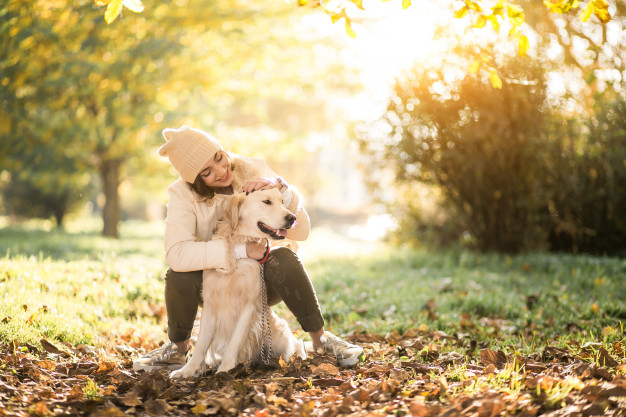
{"x": 325, "y": 369}
{"x": 51, "y": 348}
{"x": 605, "y": 359}
{"x": 491, "y": 357}
{"x": 131, "y": 399}
{"x": 156, "y": 407}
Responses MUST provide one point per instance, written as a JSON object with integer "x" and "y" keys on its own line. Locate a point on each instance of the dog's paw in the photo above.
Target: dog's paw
{"x": 300, "y": 350}
{"x": 185, "y": 372}
{"x": 225, "y": 366}
{"x": 176, "y": 374}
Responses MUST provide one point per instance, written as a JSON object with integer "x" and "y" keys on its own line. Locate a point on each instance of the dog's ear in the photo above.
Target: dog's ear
{"x": 232, "y": 211}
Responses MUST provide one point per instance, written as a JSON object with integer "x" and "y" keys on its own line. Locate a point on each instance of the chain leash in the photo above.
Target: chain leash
{"x": 266, "y": 331}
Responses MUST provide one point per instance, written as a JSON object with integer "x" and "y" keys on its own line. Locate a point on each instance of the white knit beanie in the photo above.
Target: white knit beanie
{"x": 188, "y": 150}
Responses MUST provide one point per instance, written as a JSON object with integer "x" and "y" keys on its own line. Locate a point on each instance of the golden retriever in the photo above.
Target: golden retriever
{"x": 230, "y": 324}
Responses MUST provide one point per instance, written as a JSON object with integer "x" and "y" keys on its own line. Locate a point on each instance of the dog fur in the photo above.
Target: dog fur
{"x": 230, "y": 324}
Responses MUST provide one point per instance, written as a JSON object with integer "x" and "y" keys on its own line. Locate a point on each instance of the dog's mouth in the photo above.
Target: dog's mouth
{"x": 274, "y": 233}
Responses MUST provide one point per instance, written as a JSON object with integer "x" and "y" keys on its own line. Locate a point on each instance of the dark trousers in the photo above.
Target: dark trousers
{"x": 285, "y": 278}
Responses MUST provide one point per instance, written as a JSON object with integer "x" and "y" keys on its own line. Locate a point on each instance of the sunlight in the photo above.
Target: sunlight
{"x": 388, "y": 40}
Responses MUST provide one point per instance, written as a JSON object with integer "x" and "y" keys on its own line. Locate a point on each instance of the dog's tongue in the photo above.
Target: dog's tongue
{"x": 282, "y": 232}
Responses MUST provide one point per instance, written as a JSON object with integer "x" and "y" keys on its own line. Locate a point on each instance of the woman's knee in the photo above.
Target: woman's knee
{"x": 285, "y": 257}
{"x": 285, "y": 267}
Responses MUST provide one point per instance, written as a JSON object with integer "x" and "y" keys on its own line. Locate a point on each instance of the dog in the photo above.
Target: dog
{"x": 231, "y": 329}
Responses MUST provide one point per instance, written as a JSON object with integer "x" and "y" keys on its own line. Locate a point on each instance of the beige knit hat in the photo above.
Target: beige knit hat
{"x": 188, "y": 150}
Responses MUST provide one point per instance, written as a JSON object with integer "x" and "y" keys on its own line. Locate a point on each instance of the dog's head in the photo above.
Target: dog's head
{"x": 261, "y": 214}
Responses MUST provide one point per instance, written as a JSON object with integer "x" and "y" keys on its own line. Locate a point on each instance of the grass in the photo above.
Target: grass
{"x": 492, "y": 295}
{"x": 77, "y": 287}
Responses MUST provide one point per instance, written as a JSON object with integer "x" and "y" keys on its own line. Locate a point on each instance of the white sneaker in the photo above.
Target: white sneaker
{"x": 346, "y": 353}
{"x": 167, "y": 356}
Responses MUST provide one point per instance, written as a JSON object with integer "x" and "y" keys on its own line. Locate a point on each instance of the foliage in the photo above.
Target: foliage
{"x": 588, "y": 181}
{"x": 448, "y": 332}
{"x": 50, "y": 183}
{"x": 480, "y": 145}
{"x": 482, "y": 11}
{"x": 26, "y": 198}
{"x": 99, "y": 94}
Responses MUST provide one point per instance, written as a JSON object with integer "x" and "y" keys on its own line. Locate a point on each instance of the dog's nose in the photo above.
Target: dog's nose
{"x": 290, "y": 218}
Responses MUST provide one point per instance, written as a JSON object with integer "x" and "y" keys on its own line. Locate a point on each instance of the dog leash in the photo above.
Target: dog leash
{"x": 266, "y": 331}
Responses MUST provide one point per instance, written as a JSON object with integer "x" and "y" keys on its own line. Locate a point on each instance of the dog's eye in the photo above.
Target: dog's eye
{"x": 269, "y": 203}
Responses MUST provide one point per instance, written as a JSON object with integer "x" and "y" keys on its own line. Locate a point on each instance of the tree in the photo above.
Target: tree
{"x": 103, "y": 92}
{"x": 479, "y": 145}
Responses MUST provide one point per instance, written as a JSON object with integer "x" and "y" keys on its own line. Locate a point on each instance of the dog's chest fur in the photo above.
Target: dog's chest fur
{"x": 225, "y": 295}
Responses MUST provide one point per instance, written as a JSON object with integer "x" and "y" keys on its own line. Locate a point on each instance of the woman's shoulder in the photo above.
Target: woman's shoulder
{"x": 182, "y": 189}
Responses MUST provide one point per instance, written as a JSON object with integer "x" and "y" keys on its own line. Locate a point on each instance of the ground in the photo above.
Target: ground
{"x": 448, "y": 333}
{"x": 403, "y": 374}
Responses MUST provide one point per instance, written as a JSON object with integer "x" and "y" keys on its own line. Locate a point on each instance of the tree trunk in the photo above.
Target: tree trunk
{"x": 59, "y": 215}
{"x": 110, "y": 175}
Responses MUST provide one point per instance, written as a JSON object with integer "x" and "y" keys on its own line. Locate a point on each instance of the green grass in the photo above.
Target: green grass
{"x": 494, "y": 298}
{"x": 95, "y": 289}
{"x": 76, "y": 286}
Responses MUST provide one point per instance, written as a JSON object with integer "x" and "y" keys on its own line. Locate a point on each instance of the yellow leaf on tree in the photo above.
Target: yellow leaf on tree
{"x": 461, "y": 12}
{"x": 523, "y": 45}
{"x": 481, "y": 21}
{"x": 359, "y": 4}
{"x": 515, "y": 14}
{"x": 349, "y": 30}
{"x": 586, "y": 13}
{"x": 495, "y": 80}
{"x": 498, "y": 8}
{"x": 474, "y": 6}
{"x": 601, "y": 10}
{"x": 554, "y": 7}
{"x": 406, "y": 4}
{"x": 113, "y": 10}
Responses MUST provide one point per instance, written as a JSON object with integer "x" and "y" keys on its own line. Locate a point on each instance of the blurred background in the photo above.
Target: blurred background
{"x": 417, "y": 125}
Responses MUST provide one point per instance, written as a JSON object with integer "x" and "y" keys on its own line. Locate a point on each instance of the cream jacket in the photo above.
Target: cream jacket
{"x": 191, "y": 220}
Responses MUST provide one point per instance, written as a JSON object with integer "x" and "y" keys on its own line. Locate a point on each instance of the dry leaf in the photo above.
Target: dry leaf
{"x": 325, "y": 369}
{"x": 491, "y": 357}
{"x": 131, "y": 399}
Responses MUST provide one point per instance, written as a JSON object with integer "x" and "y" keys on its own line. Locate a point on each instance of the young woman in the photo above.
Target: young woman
{"x": 207, "y": 175}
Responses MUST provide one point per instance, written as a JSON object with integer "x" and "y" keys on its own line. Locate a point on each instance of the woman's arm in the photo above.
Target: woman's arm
{"x": 182, "y": 250}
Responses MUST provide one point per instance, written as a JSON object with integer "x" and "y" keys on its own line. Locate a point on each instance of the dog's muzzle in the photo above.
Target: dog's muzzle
{"x": 278, "y": 234}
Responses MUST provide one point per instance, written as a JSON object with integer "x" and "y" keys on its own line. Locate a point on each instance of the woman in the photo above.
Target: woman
{"x": 207, "y": 175}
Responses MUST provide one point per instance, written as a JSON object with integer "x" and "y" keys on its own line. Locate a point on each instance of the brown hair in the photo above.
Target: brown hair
{"x": 204, "y": 190}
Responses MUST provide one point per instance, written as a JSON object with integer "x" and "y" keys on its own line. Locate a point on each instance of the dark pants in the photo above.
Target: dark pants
{"x": 286, "y": 280}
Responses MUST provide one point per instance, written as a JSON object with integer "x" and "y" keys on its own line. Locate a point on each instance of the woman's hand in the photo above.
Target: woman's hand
{"x": 256, "y": 250}
{"x": 259, "y": 184}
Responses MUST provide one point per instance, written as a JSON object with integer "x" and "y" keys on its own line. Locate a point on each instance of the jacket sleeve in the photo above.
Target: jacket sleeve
{"x": 182, "y": 250}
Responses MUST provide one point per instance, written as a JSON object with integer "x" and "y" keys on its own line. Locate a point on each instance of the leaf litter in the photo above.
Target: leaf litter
{"x": 417, "y": 373}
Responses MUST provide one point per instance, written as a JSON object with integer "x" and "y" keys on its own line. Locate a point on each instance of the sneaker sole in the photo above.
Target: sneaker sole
{"x": 150, "y": 368}
{"x": 352, "y": 360}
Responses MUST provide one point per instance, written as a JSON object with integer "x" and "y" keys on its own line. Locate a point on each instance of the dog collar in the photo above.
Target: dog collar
{"x": 267, "y": 255}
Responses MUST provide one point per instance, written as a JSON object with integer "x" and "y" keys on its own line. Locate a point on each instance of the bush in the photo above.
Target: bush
{"x": 480, "y": 145}
{"x": 497, "y": 168}
{"x": 588, "y": 182}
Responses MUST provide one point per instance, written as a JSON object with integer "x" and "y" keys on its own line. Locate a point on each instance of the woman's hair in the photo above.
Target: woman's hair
{"x": 201, "y": 188}
{"x": 204, "y": 190}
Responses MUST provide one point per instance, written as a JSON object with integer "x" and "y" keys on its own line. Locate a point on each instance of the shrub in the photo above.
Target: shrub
{"x": 480, "y": 145}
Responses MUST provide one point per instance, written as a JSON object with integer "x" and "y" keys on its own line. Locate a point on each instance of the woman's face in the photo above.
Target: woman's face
{"x": 217, "y": 172}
